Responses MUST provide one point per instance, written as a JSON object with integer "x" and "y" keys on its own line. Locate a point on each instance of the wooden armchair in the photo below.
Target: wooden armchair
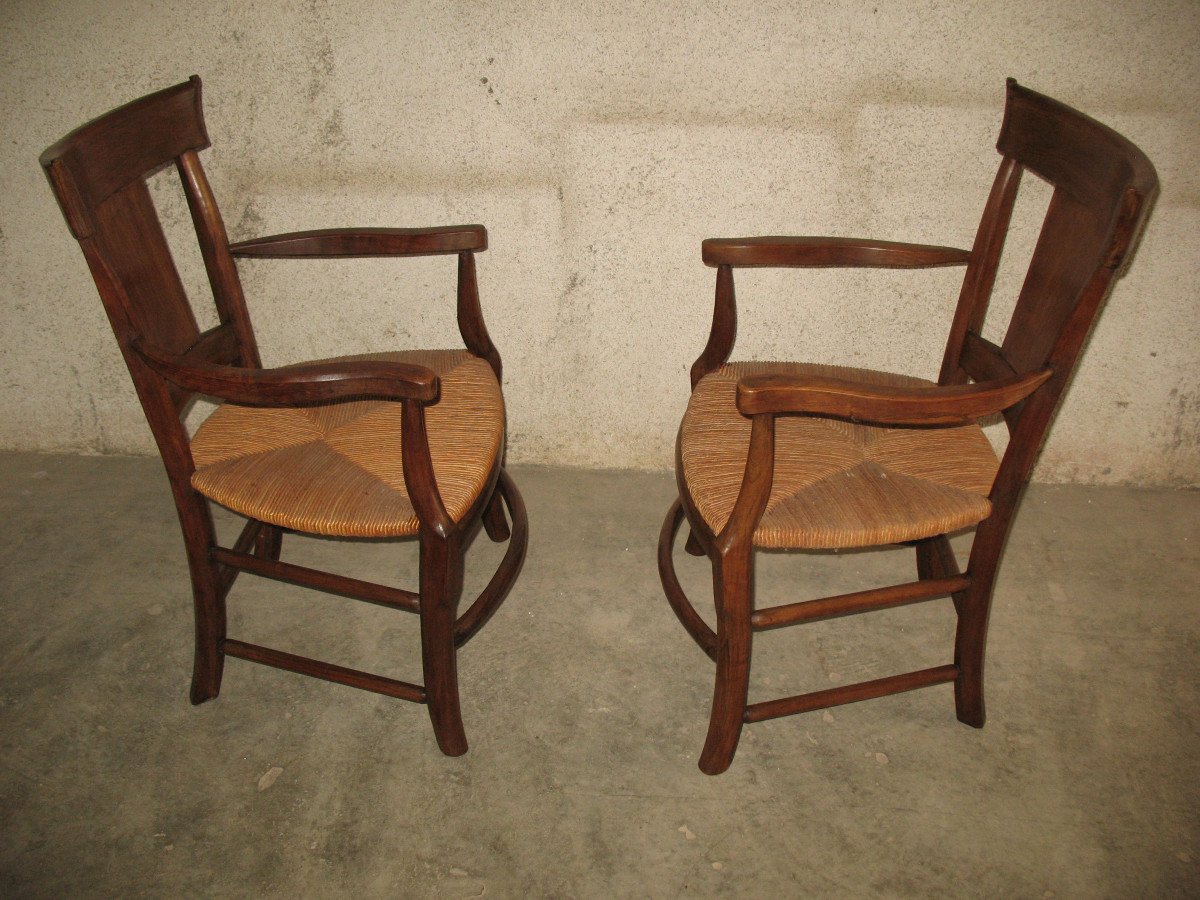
{"x": 802, "y": 456}
{"x": 395, "y": 445}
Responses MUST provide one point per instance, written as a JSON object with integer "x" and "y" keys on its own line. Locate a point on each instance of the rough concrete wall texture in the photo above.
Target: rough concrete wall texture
{"x": 600, "y": 143}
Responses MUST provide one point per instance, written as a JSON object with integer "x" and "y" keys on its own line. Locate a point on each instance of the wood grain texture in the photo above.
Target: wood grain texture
{"x": 857, "y": 602}
{"x": 825, "y": 252}
{"x": 355, "y": 588}
{"x": 850, "y": 693}
{"x": 291, "y": 385}
{"x": 724, "y": 328}
{"x": 883, "y": 404}
{"x": 218, "y": 262}
{"x": 364, "y": 242}
{"x": 313, "y": 668}
{"x": 98, "y": 174}
{"x": 792, "y": 428}
{"x": 836, "y": 482}
{"x": 112, "y": 151}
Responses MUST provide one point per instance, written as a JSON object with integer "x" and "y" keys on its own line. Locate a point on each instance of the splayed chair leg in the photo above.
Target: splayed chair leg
{"x": 969, "y": 645}
{"x": 209, "y": 661}
{"x": 209, "y": 607}
{"x": 732, "y": 585}
{"x": 441, "y": 584}
{"x": 208, "y": 592}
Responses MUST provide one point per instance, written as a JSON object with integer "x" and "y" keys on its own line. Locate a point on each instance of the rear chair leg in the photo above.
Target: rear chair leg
{"x": 441, "y": 584}
{"x": 732, "y": 586}
{"x": 494, "y": 522}
{"x": 269, "y": 543}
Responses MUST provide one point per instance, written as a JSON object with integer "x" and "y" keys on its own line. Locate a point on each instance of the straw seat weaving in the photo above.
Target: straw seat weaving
{"x": 336, "y": 469}
{"x": 387, "y": 445}
{"x": 836, "y": 483}
{"x": 783, "y": 477}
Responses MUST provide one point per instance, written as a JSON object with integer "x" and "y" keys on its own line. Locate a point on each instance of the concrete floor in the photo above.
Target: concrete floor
{"x": 585, "y": 705}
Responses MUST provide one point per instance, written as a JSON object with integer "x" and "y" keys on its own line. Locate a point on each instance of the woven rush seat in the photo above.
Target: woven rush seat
{"x": 336, "y": 469}
{"x": 800, "y": 470}
{"x": 836, "y": 483}
{"x": 386, "y": 445}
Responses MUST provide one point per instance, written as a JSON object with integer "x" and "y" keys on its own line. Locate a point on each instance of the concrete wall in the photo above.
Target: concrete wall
{"x": 600, "y": 142}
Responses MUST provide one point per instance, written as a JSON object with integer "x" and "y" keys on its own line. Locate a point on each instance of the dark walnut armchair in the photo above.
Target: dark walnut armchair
{"x": 406, "y": 444}
{"x": 803, "y": 456}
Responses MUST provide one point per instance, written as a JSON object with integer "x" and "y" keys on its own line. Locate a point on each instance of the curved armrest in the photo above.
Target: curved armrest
{"x": 347, "y": 242}
{"x": 935, "y": 405}
{"x": 290, "y": 385}
{"x": 826, "y": 252}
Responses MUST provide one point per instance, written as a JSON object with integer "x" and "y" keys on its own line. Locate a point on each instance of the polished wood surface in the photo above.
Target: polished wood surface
{"x": 859, "y": 601}
{"x": 850, "y": 693}
{"x": 941, "y": 405}
{"x": 291, "y": 385}
{"x": 822, "y": 252}
{"x": 357, "y": 242}
{"x": 98, "y": 174}
{"x": 1103, "y": 190}
{"x": 96, "y": 160}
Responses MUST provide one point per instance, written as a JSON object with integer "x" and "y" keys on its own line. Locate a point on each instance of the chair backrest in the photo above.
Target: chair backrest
{"x": 1103, "y": 187}
{"x": 99, "y": 174}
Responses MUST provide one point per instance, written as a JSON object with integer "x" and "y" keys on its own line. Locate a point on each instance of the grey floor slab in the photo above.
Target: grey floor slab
{"x": 585, "y": 705}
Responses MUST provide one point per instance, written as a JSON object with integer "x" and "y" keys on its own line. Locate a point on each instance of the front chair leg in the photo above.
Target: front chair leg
{"x": 969, "y": 644}
{"x": 732, "y": 586}
{"x": 208, "y": 595}
{"x": 209, "y": 661}
{"x": 441, "y": 584}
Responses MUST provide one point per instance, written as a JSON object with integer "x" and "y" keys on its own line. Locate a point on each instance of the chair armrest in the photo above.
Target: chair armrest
{"x": 349, "y": 242}
{"x": 841, "y": 398}
{"x": 293, "y": 385}
{"x": 827, "y": 252}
